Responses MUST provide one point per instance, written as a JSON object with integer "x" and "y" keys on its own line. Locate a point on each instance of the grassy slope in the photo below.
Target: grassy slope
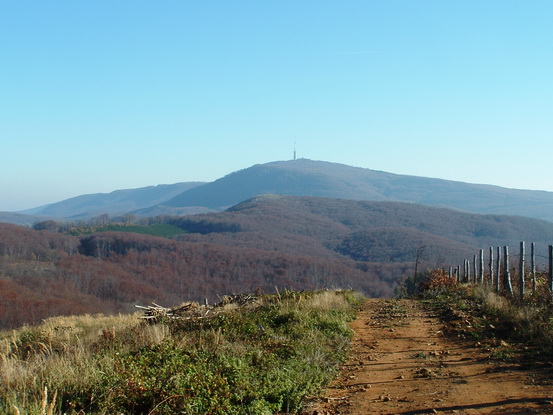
{"x": 505, "y": 325}
{"x": 257, "y": 359}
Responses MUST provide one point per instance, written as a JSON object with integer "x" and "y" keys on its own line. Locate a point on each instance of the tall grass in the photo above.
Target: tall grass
{"x": 258, "y": 359}
{"x": 527, "y": 320}
{"x": 492, "y": 314}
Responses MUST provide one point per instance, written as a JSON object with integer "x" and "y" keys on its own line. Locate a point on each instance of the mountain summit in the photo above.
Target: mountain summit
{"x": 305, "y": 177}
{"x": 292, "y": 178}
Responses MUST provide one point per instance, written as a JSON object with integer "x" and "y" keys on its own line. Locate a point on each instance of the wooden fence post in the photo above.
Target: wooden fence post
{"x": 475, "y": 268}
{"x": 458, "y": 273}
{"x": 533, "y": 265}
{"x": 498, "y": 274}
{"x": 491, "y": 265}
{"x": 481, "y": 266}
{"x": 521, "y": 270}
{"x": 551, "y": 268}
{"x": 508, "y": 285}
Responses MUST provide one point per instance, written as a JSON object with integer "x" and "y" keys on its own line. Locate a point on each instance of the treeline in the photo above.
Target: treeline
{"x": 188, "y": 224}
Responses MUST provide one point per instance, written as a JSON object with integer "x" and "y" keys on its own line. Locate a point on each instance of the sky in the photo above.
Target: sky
{"x": 104, "y": 95}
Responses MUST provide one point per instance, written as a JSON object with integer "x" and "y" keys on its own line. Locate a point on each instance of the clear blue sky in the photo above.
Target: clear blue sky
{"x": 105, "y": 95}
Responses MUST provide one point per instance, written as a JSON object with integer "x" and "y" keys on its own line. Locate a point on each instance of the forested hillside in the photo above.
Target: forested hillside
{"x": 264, "y": 243}
{"x": 327, "y": 227}
{"x": 45, "y": 274}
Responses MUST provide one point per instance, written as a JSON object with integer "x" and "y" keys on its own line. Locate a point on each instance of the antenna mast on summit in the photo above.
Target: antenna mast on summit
{"x": 294, "y": 150}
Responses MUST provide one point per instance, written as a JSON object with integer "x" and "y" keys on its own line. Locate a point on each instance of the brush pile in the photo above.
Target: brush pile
{"x": 192, "y": 310}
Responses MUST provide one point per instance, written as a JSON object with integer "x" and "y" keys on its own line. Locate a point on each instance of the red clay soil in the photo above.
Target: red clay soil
{"x": 402, "y": 362}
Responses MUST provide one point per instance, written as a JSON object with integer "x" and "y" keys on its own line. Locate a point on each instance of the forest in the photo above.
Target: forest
{"x": 45, "y": 274}
{"x": 108, "y": 265}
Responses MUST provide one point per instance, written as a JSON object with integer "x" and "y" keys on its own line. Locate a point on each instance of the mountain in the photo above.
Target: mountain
{"x": 294, "y": 178}
{"x": 20, "y": 218}
{"x": 323, "y": 179}
{"x": 301, "y": 178}
{"x": 114, "y": 203}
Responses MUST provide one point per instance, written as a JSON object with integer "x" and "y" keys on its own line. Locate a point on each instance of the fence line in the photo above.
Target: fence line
{"x": 499, "y": 269}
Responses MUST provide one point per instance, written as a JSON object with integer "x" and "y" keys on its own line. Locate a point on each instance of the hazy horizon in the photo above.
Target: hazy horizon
{"x": 274, "y": 161}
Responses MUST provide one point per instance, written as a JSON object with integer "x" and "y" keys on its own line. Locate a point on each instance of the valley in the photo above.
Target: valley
{"x": 267, "y": 242}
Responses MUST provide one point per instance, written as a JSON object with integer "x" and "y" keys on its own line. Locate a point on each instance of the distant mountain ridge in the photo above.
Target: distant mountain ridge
{"x": 114, "y": 203}
{"x": 20, "y": 218}
{"x": 302, "y": 177}
{"x": 305, "y": 177}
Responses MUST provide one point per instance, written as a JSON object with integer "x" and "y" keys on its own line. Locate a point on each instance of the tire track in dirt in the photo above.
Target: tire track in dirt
{"x": 401, "y": 362}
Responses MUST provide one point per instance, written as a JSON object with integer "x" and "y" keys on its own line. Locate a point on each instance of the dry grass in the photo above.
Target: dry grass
{"x": 326, "y": 300}
{"x": 530, "y": 319}
{"x": 73, "y": 365}
{"x": 57, "y": 355}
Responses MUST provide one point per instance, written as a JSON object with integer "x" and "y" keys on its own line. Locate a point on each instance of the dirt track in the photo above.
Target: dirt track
{"x": 402, "y": 363}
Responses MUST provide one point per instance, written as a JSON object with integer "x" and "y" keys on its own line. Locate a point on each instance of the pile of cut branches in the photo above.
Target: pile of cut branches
{"x": 156, "y": 313}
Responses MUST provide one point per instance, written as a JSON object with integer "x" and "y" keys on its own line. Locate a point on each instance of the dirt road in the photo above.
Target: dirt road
{"x": 401, "y": 362}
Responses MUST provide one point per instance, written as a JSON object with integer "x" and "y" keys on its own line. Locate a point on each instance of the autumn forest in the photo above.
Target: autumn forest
{"x": 267, "y": 243}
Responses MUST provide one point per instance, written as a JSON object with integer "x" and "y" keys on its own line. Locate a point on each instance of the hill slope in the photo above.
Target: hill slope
{"x": 265, "y": 242}
{"x": 114, "y": 203}
{"x": 322, "y": 179}
{"x": 385, "y": 230}
{"x": 20, "y": 218}
{"x": 299, "y": 178}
